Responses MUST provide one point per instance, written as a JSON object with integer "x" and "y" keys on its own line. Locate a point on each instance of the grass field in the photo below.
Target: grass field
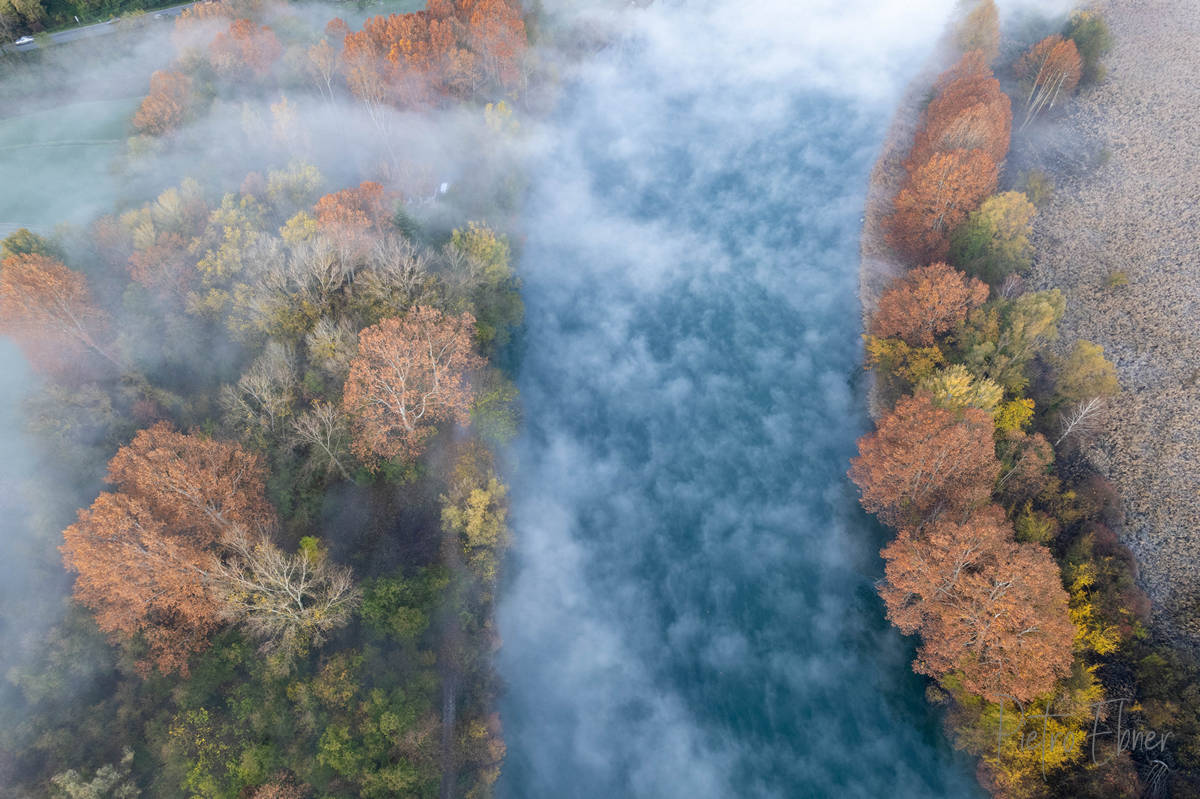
{"x": 55, "y": 164}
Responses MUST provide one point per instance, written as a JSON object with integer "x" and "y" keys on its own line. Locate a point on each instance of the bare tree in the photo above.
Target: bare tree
{"x": 322, "y": 66}
{"x": 332, "y": 345}
{"x": 324, "y": 431}
{"x": 1082, "y": 420}
{"x": 264, "y": 395}
{"x": 287, "y": 601}
{"x": 398, "y": 277}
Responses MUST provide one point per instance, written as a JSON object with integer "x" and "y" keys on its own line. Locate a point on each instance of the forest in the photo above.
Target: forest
{"x": 1006, "y": 563}
{"x": 277, "y": 399}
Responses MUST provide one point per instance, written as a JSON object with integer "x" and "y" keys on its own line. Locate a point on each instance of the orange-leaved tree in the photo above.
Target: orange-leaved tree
{"x": 923, "y": 460}
{"x": 165, "y": 266}
{"x": 452, "y": 48}
{"x": 354, "y": 209}
{"x": 985, "y": 606}
{"x": 968, "y": 112}
{"x": 936, "y": 199}
{"x": 410, "y": 374}
{"x": 48, "y": 309}
{"x": 197, "y": 485}
{"x": 1050, "y": 69}
{"x": 496, "y": 32}
{"x": 143, "y": 552}
{"x": 352, "y": 219}
{"x": 925, "y": 303}
{"x": 245, "y": 48}
{"x": 166, "y": 105}
{"x": 140, "y": 578}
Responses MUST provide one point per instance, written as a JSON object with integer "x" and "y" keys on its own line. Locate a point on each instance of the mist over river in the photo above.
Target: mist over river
{"x": 690, "y": 608}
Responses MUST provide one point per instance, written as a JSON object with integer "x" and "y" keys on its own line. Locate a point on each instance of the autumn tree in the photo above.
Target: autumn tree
{"x": 924, "y": 459}
{"x": 474, "y": 513}
{"x": 994, "y": 241}
{"x": 196, "y": 485}
{"x": 496, "y": 32}
{"x": 49, "y": 310}
{"x": 164, "y": 267}
{"x": 196, "y": 12}
{"x": 969, "y": 111}
{"x": 141, "y": 577}
{"x": 410, "y": 374}
{"x": 452, "y": 48}
{"x": 406, "y": 59}
{"x": 955, "y": 388}
{"x": 282, "y": 786}
{"x": 1026, "y": 461}
{"x": 245, "y": 48}
{"x": 980, "y": 30}
{"x": 366, "y": 207}
{"x": 986, "y": 607}
{"x": 336, "y": 30}
{"x": 936, "y": 199}
{"x": 1051, "y": 69}
{"x": 1083, "y": 375}
{"x": 897, "y": 359}
{"x": 925, "y": 303}
{"x": 183, "y": 545}
{"x": 166, "y": 105}
{"x": 998, "y": 340}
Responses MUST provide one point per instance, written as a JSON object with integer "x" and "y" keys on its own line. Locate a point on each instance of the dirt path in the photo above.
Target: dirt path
{"x": 1138, "y": 213}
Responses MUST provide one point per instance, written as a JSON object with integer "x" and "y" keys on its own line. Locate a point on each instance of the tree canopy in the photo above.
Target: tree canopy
{"x": 923, "y": 460}
{"x": 411, "y": 373}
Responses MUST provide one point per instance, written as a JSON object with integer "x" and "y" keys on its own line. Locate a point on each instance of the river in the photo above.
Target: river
{"x": 690, "y": 608}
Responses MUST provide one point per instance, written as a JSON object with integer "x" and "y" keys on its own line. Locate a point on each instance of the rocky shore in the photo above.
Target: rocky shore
{"x": 1122, "y": 241}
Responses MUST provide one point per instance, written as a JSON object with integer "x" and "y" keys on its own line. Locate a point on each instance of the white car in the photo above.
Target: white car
{"x": 24, "y": 40}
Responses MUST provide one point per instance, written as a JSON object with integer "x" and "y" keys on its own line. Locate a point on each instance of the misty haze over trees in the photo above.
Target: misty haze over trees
{"x": 340, "y": 341}
{"x": 265, "y": 376}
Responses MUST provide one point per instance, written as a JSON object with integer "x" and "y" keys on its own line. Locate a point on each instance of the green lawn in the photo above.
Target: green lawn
{"x": 55, "y": 163}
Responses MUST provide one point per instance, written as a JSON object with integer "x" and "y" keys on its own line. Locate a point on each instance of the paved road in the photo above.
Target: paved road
{"x": 99, "y": 29}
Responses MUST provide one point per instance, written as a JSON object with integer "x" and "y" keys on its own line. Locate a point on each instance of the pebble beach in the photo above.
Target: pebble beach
{"x": 1122, "y": 241}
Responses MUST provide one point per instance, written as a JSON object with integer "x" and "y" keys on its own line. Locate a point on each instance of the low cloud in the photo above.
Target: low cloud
{"x": 691, "y": 612}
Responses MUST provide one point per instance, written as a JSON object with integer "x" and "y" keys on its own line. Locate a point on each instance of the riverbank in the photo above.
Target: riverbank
{"x": 879, "y": 264}
{"x": 1119, "y": 242}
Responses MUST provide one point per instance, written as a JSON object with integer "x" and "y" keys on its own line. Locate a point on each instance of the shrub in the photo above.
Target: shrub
{"x": 1116, "y": 279}
{"x": 1092, "y": 38}
{"x": 1037, "y": 186}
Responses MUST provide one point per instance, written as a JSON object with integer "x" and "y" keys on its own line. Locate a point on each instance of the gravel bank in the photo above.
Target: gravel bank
{"x": 1138, "y": 212}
